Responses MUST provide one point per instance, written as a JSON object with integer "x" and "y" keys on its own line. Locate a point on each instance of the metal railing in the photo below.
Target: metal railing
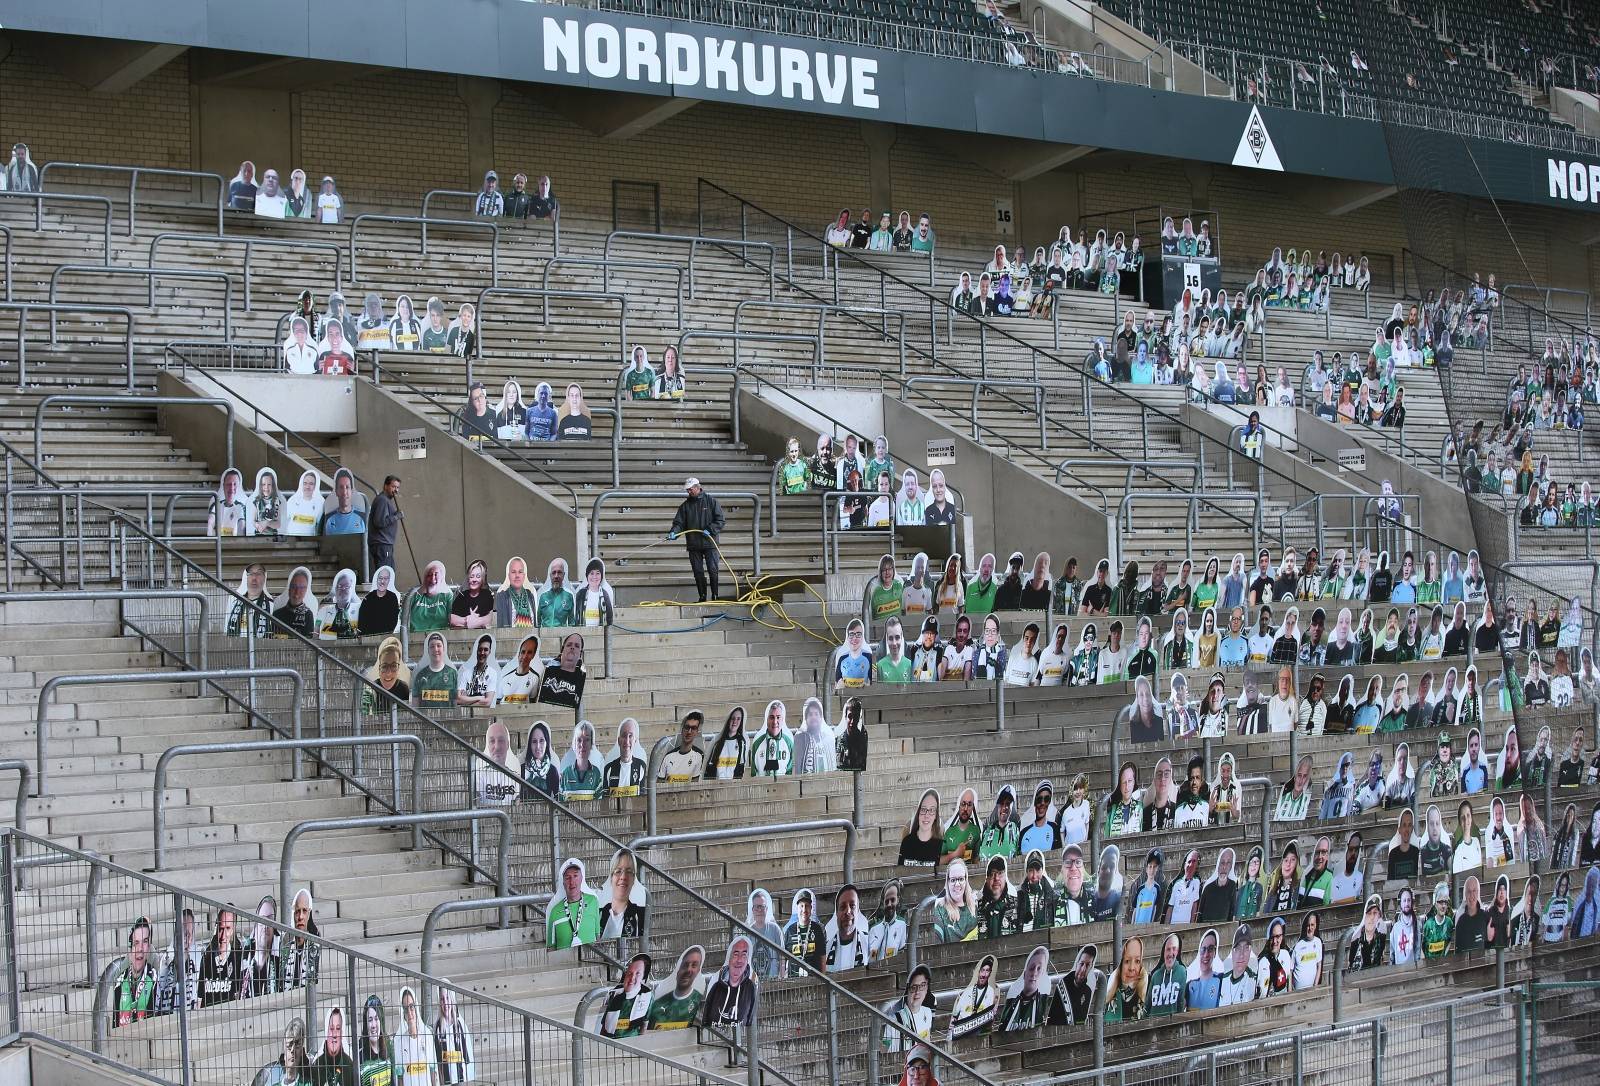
{"x": 1197, "y": 467}
{"x": 250, "y": 242}
{"x": 41, "y": 718}
{"x": 574, "y": 295}
{"x": 179, "y": 1046}
{"x": 738, "y": 365}
{"x": 938, "y": 303}
{"x": 746, "y": 833}
{"x": 427, "y": 198}
{"x": 457, "y": 224}
{"x": 137, "y": 401}
{"x": 22, "y": 309}
{"x": 452, "y": 425}
{"x": 445, "y": 744}
{"x": 121, "y": 596}
{"x": 24, "y": 771}
{"x": 978, "y": 384}
{"x": 151, "y": 274}
{"x": 1215, "y": 500}
{"x": 39, "y": 199}
{"x": 694, "y": 242}
{"x": 134, "y": 173}
{"x": 331, "y": 463}
{"x": 393, "y": 821}
{"x": 605, "y": 497}
{"x": 5, "y": 231}
{"x": 606, "y": 265}
{"x": 322, "y": 743}
{"x": 822, "y": 309}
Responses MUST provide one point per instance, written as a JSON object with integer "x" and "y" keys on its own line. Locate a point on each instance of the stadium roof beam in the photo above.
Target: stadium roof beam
{"x": 223, "y": 67}
{"x": 613, "y": 115}
{"x": 1012, "y": 158}
{"x": 111, "y": 67}
{"x": 1335, "y": 198}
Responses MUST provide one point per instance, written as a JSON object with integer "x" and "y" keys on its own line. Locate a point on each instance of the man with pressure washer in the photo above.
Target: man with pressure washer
{"x": 699, "y": 519}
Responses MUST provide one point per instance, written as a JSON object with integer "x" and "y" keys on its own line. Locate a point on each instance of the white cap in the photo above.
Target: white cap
{"x": 690, "y": 483}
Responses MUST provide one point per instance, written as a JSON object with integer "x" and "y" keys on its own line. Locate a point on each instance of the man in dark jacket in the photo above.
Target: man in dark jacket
{"x": 699, "y": 519}
{"x": 382, "y": 521}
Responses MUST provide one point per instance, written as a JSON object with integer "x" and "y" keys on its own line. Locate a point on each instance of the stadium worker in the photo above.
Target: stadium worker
{"x": 700, "y": 521}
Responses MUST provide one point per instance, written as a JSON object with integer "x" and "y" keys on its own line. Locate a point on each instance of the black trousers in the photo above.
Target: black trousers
{"x": 380, "y": 554}
{"x": 704, "y": 564}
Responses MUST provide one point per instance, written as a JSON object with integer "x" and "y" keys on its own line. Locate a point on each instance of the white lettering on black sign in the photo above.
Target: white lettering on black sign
{"x": 640, "y": 55}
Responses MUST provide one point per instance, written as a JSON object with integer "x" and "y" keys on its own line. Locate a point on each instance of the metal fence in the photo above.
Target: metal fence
{"x": 793, "y": 1040}
{"x": 137, "y": 985}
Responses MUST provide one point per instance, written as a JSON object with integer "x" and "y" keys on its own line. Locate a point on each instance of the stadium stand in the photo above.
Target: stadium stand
{"x": 452, "y": 825}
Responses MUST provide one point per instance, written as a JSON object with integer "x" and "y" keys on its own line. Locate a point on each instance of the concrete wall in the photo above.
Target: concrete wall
{"x": 203, "y": 430}
{"x": 461, "y": 504}
{"x": 306, "y": 404}
{"x": 1011, "y": 507}
{"x": 1445, "y": 515}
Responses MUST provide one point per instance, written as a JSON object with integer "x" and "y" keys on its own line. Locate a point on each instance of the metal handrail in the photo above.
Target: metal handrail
{"x": 1197, "y": 466}
{"x": 6, "y": 231}
{"x": 738, "y": 366}
{"x": 466, "y": 224}
{"x": 577, "y": 295}
{"x": 23, "y": 770}
{"x": 41, "y": 719}
{"x": 555, "y": 218}
{"x": 451, "y": 427}
{"x": 151, "y": 274}
{"x": 838, "y": 426}
{"x": 1267, "y": 786}
{"x": 122, "y": 595}
{"x": 103, "y": 869}
{"x": 822, "y": 309}
{"x": 658, "y": 753}
{"x": 78, "y": 495}
{"x": 503, "y": 904}
{"x": 605, "y": 266}
{"x": 39, "y": 198}
{"x": 22, "y": 309}
{"x": 935, "y": 301}
{"x": 392, "y": 821}
{"x": 140, "y": 401}
{"x": 606, "y": 496}
{"x": 1547, "y": 291}
{"x": 697, "y": 240}
{"x": 1193, "y": 500}
{"x": 184, "y": 364}
{"x": 745, "y": 833}
{"x": 250, "y": 242}
{"x": 133, "y": 173}
{"x": 159, "y": 806}
{"x": 557, "y": 810}
{"x": 978, "y": 384}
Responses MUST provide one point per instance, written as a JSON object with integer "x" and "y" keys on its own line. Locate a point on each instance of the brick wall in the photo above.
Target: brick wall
{"x": 389, "y": 137}
{"x": 60, "y": 120}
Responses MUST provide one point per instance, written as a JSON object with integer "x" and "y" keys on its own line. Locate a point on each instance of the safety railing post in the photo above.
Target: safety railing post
{"x": 183, "y": 989}
{"x": 91, "y": 924}
{"x": 752, "y": 1056}
{"x": 1450, "y": 1044}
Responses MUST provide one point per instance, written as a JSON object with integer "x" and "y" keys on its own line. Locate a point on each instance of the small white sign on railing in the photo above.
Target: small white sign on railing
{"x": 1352, "y": 460}
{"x": 412, "y": 445}
{"x": 941, "y": 452}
